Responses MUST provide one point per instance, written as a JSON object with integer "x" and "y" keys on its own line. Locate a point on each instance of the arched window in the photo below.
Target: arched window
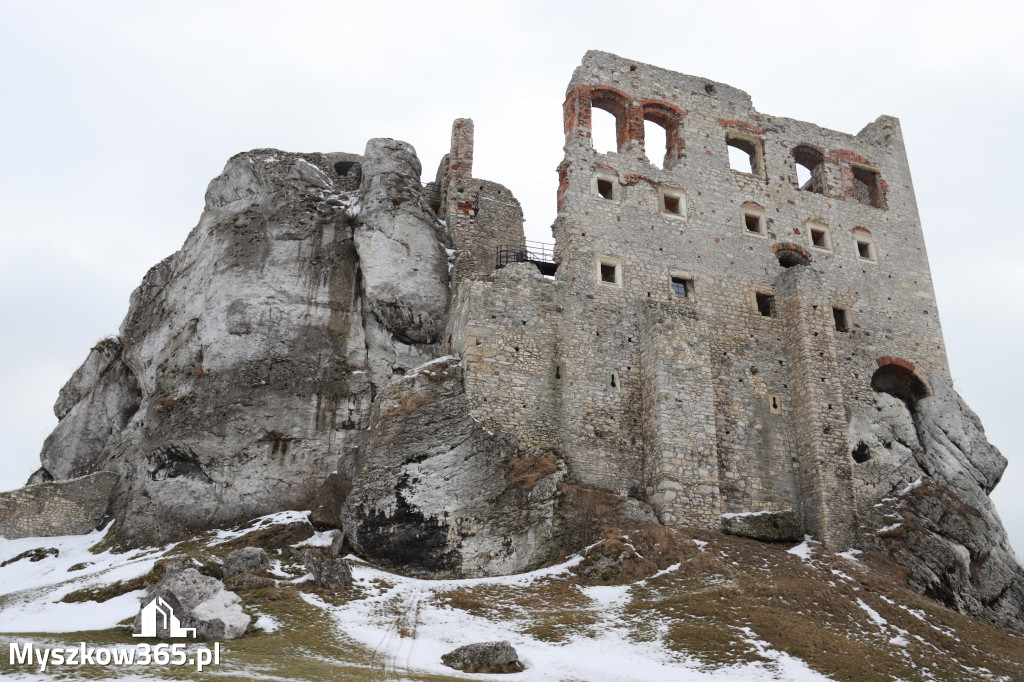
{"x": 809, "y": 169}
{"x": 895, "y": 378}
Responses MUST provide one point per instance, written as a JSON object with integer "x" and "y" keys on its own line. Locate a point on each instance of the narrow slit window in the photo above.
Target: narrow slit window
{"x": 841, "y": 320}
{"x": 765, "y": 304}
{"x": 605, "y": 188}
{"x": 681, "y": 286}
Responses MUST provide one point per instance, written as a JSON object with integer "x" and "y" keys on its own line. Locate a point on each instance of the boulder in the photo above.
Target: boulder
{"x": 246, "y": 560}
{"x": 198, "y": 602}
{"x": 248, "y": 581}
{"x": 328, "y": 571}
{"x": 767, "y": 526}
{"x": 484, "y": 657}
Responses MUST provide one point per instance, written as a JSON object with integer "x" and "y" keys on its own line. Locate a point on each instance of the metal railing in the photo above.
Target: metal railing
{"x": 528, "y": 252}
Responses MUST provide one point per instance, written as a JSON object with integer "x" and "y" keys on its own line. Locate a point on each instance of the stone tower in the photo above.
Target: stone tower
{"x": 708, "y": 327}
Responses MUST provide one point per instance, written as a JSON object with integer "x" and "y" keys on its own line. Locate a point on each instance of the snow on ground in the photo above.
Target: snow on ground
{"x": 610, "y": 654}
{"x": 32, "y": 589}
{"x": 804, "y": 549}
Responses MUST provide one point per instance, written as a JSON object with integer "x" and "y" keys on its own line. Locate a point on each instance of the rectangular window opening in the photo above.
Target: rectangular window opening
{"x": 604, "y": 188}
{"x": 840, "y": 318}
{"x": 868, "y": 187}
{"x": 819, "y": 238}
{"x": 765, "y": 304}
{"x": 608, "y": 273}
{"x": 681, "y": 286}
{"x": 671, "y": 204}
{"x": 865, "y": 250}
{"x": 752, "y": 222}
{"x": 744, "y": 154}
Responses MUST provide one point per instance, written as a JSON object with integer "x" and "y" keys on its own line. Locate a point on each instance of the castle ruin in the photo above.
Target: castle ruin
{"x": 699, "y": 334}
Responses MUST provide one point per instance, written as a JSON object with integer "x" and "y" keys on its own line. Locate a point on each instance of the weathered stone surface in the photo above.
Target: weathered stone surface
{"x": 70, "y": 507}
{"x": 436, "y": 494}
{"x": 247, "y": 581}
{"x": 484, "y": 657}
{"x": 245, "y": 560}
{"x": 922, "y": 481}
{"x": 33, "y": 555}
{"x": 328, "y": 571}
{"x": 325, "y": 509}
{"x": 199, "y": 602}
{"x": 768, "y": 526}
{"x": 245, "y": 367}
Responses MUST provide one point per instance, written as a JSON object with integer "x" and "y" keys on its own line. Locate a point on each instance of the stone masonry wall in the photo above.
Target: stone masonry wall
{"x": 71, "y": 507}
{"x": 732, "y": 396}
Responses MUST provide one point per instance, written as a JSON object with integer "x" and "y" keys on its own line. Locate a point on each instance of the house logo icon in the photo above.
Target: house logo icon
{"x": 158, "y": 614}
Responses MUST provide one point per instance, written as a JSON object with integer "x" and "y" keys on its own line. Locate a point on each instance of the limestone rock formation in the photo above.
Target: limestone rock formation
{"x": 248, "y": 360}
{"x": 199, "y": 602}
{"x": 245, "y": 560}
{"x": 924, "y": 475}
{"x": 434, "y": 493}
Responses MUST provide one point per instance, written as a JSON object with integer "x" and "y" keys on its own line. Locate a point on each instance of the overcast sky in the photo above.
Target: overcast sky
{"x": 116, "y": 115}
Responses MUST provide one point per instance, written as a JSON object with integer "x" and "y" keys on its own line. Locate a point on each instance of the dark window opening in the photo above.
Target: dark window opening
{"x": 681, "y": 287}
{"x": 819, "y": 238}
{"x": 861, "y": 453}
{"x": 765, "y": 304}
{"x": 839, "y": 315}
{"x": 899, "y": 381}
{"x": 608, "y": 273}
{"x": 671, "y": 204}
{"x": 343, "y": 167}
{"x": 604, "y": 188}
{"x": 868, "y": 186}
{"x": 752, "y": 221}
{"x": 744, "y": 155}
{"x": 809, "y": 169}
{"x": 790, "y": 257}
{"x": 612, "y": 382}
{"x": 864, "y": 250}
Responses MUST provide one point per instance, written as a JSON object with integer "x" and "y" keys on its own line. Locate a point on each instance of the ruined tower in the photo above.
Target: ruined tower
{"x": 707, "y": 327}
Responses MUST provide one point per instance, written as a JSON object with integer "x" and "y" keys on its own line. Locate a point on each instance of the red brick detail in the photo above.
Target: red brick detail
{"x": 742, "y": 125}
{"x": 892, "y": 360}
{"x": 633, "y": 178}
{"x": 846, "y": 156}
{"x": 752, "y": 204}
{"x": 790, "y": 246}
{"x": 466, "y": 206}
{"x": 671, "y": 119}
{"x": 861, "y": 229}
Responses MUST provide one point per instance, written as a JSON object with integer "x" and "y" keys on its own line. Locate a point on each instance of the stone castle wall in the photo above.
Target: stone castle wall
{"x": 71, "y": 507}
{"x": 701, "y": 403}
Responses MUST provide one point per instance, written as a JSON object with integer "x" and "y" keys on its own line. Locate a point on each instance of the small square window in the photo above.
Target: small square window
{"x": 609, "y": 270}
{"x": 753, "y": 221}
{"x": 682, "y": 286}
{"x": 605, "y": 189}
{"x": 818, "y": 235}
{"x": 819, "y": 238}
{"x": 672, "y": 202}
{"x": 841, "y": 320}
{"x": 865, "y": 249}
{"x": 765, "y": 304}
{"x": 608, "y": 273}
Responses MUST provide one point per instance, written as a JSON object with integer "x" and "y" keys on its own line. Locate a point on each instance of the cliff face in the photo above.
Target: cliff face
{"x": 925, "y": 471}
{"x": 245, "y": 368}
